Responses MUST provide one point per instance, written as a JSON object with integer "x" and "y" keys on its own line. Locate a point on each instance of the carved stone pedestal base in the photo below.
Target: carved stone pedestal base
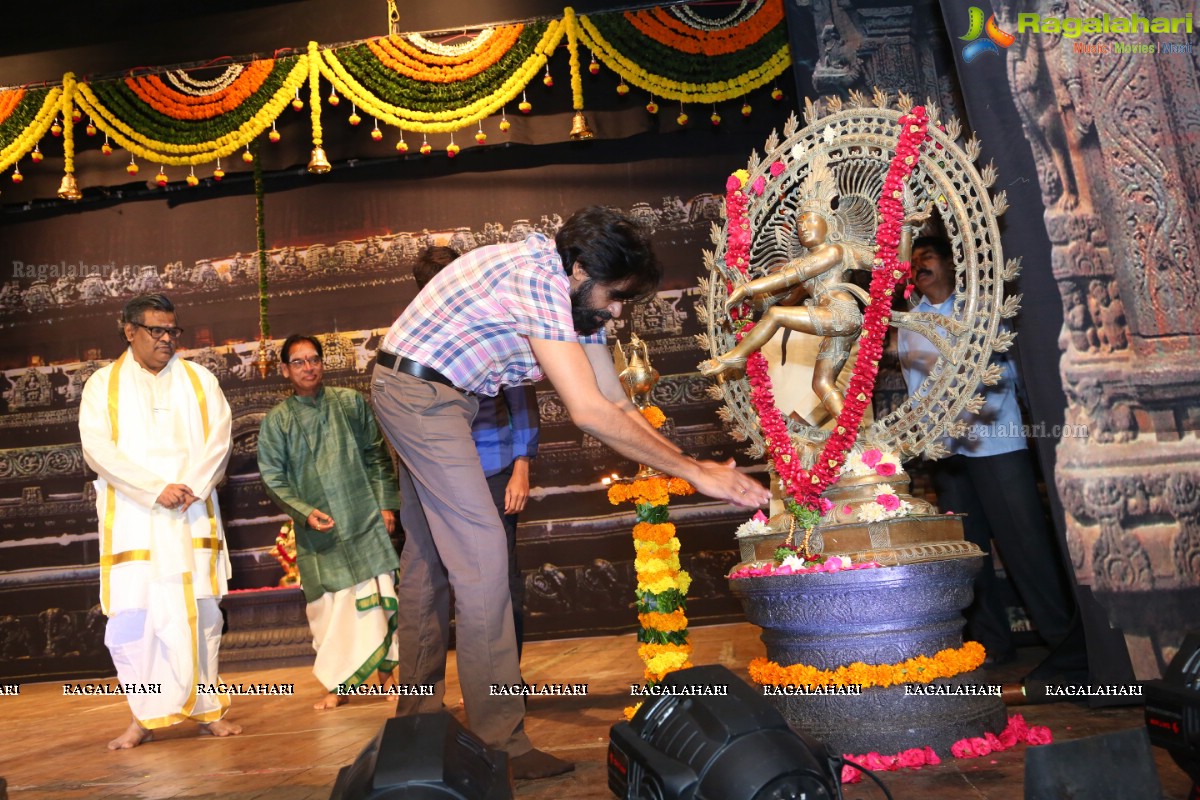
{"x": 905, "y": 540}
{"x": 267, "y": 624}
{"x": 875, "y": 616}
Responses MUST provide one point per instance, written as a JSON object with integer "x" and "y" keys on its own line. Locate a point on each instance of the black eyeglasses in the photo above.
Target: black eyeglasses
{"x": 297, "y": 363}
{"x": 157, "y": 332}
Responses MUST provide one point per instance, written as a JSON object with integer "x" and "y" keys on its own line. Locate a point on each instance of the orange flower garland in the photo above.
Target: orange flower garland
{"x": 662, "y": 585}
{"x": 9, "y": 99}
{"x": 921, "y": 669}
{"x": 177, "y": 105}
{"x": 397, "y": 54}
{"x": 663, "y": 26}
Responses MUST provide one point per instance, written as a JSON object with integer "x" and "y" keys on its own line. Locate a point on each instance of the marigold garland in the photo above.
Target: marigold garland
{"x": 662, "y": 26}
{"x": 190, "y": 143}
{"x": 399, "y": 55}
{"x": 921, "y": 669}
{"x": 172, "y": 103}
{"x": 411, "y": 105}
{"x": 662, "y": 584}
{"x": 314, "y": 93}
{"x": 693, "y": 77}
{"x": 32, "y": 115}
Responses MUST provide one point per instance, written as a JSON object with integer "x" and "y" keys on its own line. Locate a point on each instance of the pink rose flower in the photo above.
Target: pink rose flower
{"x": 962, "y": 749}
{"x": 889, "y": 501}
{"x": 931, "y": 757}
{"x": 759, "y": 516}
{"x": 871, "y": 457}
{"x": 825, "y": 505}
{"x": 1017, "y": 724}
{"x": 1008, "y": 738}
{"x": 760, "y": 183}
{"x": 777, "y": 169}
{"x": 912, "y": 758}
{"x": 732, "y": 184}
{"x": 1039, "y": 734}
{"x": 993, "y": 742}
{"x": 850, "y": 774}
{"x": 834, "y": 564}
{"x": 980, "y": 746}
{"x": 885, "y": 468}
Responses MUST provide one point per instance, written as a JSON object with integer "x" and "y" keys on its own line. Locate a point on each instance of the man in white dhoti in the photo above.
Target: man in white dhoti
{"x": 323, "y": 461}
{"x": 156, "y": 429}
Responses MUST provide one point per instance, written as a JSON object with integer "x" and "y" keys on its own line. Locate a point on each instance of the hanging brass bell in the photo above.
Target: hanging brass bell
{"x": 69, "y": 189}
{"x": 579, "y": 127}
{"x": 319, "y": 164}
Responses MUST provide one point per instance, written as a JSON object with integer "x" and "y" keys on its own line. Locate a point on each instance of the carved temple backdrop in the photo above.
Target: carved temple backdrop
{"x": 1114, "y": 255}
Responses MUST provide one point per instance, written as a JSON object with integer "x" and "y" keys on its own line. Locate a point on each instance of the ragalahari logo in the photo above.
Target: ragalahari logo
{"x": 996, "y": 38}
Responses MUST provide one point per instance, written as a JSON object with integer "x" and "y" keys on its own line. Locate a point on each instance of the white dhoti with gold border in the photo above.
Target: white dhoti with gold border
{"x": 354, "y": 632}
{"x": 162, "y": 571}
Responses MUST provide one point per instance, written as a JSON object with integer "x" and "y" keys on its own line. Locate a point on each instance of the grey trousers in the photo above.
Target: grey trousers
{"x": 453, "y": 537}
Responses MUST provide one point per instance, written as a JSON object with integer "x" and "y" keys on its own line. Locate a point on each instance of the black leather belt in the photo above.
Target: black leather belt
{"x": 409, "y": 367}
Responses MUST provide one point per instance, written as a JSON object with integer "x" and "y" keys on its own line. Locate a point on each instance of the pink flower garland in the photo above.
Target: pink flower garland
{"x": 804, "y": 487}
{"x": 1016, "y": 732}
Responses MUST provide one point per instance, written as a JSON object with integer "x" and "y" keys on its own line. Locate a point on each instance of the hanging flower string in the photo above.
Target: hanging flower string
{"x": 314, "y": 92}
{"x": 572, "y": 26}
{"x": 803, "y": 487}
{"x": 662, "y": 585}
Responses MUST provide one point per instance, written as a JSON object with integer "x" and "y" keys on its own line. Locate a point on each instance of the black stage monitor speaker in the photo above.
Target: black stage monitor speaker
{"x": 1173, "y": 710}
{"x": 425, "y": 757}
{"x": 1112, "y": 766}
{"x": 710, "y": 736}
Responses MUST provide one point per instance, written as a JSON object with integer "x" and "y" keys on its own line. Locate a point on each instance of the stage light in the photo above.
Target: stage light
{"x": 425, "y": 757}
{"x": 710, "y": 736}
{"x": 1173, "y": 710}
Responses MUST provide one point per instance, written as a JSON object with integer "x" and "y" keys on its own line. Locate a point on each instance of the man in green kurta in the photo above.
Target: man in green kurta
{"x": 323, "y": 461}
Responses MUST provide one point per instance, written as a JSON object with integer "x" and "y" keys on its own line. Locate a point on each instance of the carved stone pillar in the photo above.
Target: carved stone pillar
{"x": 1116, "y": 139}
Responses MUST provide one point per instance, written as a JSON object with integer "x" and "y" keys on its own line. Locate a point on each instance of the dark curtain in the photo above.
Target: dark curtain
{"x": 992, "y": 114}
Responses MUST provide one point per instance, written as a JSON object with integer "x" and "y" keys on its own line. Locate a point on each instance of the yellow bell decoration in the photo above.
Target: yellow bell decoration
{"x": 69, "y": 189}
{"x": 319, "y": 164}
{"x": 579, "y": 127}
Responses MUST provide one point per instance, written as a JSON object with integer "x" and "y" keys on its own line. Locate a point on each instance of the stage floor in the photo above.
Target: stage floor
{"x": 53, "y": 746}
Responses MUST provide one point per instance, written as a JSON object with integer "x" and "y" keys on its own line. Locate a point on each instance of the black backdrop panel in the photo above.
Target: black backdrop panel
{"x": 341, "y": 253}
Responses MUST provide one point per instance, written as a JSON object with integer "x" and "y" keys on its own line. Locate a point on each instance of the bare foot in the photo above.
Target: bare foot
{"x": 386, "y": 679}
{"x": 133, "y": 736}
{"x": 331, "y": 700}
{"x": 221, "y": 728}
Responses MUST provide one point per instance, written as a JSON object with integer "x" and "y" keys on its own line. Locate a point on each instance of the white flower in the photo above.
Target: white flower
{"x": 793, "y": 561}
{"x": 751, "y": 527}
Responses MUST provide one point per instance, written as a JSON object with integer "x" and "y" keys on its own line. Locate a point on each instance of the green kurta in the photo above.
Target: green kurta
{"x": 326, "y": 452}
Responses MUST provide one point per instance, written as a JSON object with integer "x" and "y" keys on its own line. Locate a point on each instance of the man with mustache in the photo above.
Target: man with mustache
{"x": 989, "y": 476}
{"x": 504, "y": 315}
{"x": 323, "y": 461}
{"x": 156, "y": 429}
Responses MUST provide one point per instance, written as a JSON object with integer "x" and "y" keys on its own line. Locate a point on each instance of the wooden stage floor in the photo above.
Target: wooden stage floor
{"x": 52, "y": 747}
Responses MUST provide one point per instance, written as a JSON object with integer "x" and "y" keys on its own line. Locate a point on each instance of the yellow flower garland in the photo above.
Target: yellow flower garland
{"x": 28, "y": 139}
{"x": 451, "y": 119}
{"x": 192, "y": 154}
{"x": 68, "y": 113}
{"x": 922, "y": 669}
{"x": 572, "y": 25}
{"x": 314, "y": 92}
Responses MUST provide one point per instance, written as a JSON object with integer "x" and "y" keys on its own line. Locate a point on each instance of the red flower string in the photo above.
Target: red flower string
{"x": 803, "y": 486}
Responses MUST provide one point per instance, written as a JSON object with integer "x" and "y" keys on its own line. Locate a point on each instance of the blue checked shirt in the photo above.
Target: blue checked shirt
{"x": 506, "y": 428}
{"x": 474, "y": 320}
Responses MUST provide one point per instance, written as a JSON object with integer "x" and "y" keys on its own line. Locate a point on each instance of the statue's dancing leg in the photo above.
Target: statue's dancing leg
{"x": 830, "y": 360}
{"x": 733, "y": 363}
